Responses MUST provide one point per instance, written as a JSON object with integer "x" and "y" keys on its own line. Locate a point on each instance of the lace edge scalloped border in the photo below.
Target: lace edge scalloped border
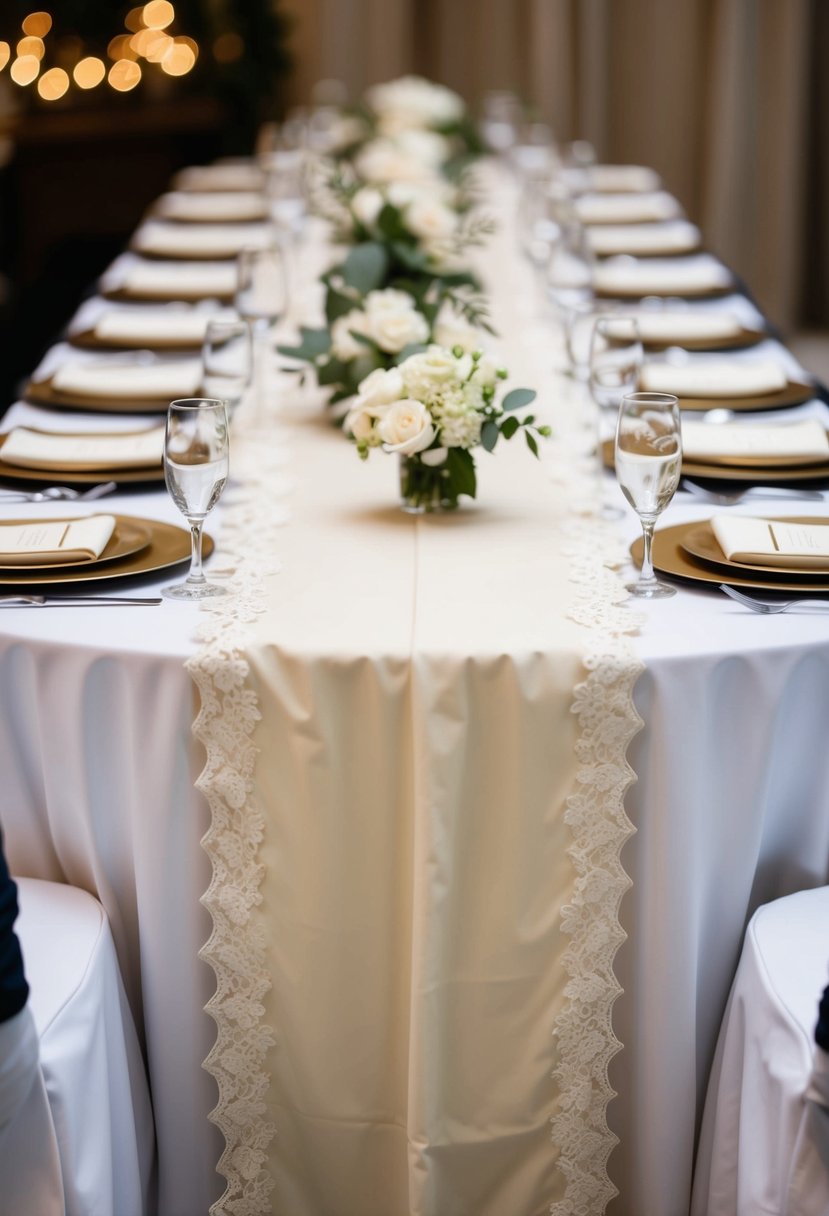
{"x": 224, "y": 725}
{"x": 607, "y": 722}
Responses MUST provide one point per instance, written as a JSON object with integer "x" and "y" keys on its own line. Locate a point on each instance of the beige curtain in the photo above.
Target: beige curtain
{"x": 726, "y": 98}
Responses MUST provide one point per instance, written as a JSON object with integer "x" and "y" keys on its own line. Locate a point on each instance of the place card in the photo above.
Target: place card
{"x": 772, "y": 542}
{"x": 788, "y": 444}
{"x": 714, "y": 378}
{"x": 55, "y": 541}
{"x": 627, "y": 208}
{"x": 181, "y": 378}
{"x": 29, "y": 449}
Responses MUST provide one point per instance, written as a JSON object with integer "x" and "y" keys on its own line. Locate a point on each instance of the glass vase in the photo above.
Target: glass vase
{"x": 423, "y": 488}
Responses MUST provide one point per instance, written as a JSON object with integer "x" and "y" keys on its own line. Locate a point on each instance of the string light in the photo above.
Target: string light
{"x": 89, "y": 72}
{"x": 53, "y": 84}
{"x": 37, "y": 24}
{"x": 158, "y": 14}
{"x": 25, "y": 69}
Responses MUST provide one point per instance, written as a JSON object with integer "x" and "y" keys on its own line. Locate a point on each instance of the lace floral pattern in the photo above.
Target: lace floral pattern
{"x": 225, "y": 723}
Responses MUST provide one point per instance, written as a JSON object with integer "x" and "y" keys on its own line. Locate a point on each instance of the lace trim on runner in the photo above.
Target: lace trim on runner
{"x": 608, "y": 721}
{"x": 224, "y": 725}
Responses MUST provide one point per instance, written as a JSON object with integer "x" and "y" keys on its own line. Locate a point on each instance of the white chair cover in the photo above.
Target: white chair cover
{"x": 89, "y": 1052}
{"x": 30, "y": 1176}
{"x": 764, "y": 1145}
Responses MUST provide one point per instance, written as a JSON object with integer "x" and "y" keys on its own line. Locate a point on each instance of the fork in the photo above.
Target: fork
{"x": 58, "y": 494}
{"x": 768, "y": 607}
{"x": 722, "y": 498}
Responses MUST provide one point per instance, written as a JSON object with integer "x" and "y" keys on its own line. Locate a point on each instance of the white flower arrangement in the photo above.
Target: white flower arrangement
{"x": 432, "y": 409}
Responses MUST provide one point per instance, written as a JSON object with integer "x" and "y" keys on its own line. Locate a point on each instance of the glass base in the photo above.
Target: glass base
{"x": 650, "y": 591}
{"x": 192, "y": 591}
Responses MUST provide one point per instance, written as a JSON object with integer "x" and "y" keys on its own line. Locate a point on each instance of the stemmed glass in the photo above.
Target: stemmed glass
{"x": 195, "y": 468}
{"x": 227, "y": 361}
{"x": 570, "y": 268}
{"x": 616, "y": 356}
{"x": 261, "y": 299}
{"x": 648, "y": 460}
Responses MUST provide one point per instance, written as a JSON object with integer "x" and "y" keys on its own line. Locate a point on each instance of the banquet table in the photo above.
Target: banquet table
{"x": 411, "y": 764}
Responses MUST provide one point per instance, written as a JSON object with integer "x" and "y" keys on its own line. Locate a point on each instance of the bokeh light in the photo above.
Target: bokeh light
{"x": 31, "y": 46}
{"x": 120, "y": 47}
{"x": 37, "y": 24}
{"x": 134, "y": 20}
{"x": 124, "y": 75}
{"x": 53, "y": 84}
{"x": 180, "y": 60}
{"x": 5, "y": 54}
{"x": 89, "y": 72}
{"x": 25, "y": 69}
{"x": 158, "y": 14}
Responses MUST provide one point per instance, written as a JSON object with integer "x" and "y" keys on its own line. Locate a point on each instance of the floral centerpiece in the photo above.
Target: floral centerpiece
{"x": 398, "y": 114}
{"x": 432, "y": 410}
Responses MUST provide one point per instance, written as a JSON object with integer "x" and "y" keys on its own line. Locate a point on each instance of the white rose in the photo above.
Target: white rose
{"x": 359, "y": 422}
{"x": 406, "y": 427}
{"x": 394, "y": 330}
{"x": 424, "y": 146}
{"x": 412, "y": 101}
{"x": 380, "y": 388}
{"x": 388, "y": 300}
{"x": 430, "y": 220}
{"x": 428, "y": 370}
{"x": 343, "y": 345}
{"x": 382, "y": 161}
{"x": 452, "y": 330}
{"x": 366, "y": 205}
{"x": 486, "y": 373}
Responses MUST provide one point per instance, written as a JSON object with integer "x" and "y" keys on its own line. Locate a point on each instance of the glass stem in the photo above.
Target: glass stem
{"x": 196, "y": 574}
{"x": 647, "y": 575}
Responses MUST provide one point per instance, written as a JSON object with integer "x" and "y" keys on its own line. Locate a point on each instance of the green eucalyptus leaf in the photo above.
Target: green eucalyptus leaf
{"x": 518, "y": 398}
{"x": 366, "y": 267}
{"x": 489, "y": 435}
{"x": 509, "y": 426}
{"x": 337, "y": 305}
{"x": 332, "y": 372}
{"x": 531, "y": 442}
{"x": 461, "y": 468}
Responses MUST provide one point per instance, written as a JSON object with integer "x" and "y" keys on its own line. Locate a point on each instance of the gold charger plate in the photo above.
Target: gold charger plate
{"x": 795, "y": 393}
{"x": 671, "y": 558}
{"x": 760, "y": 473}
{"x": 124, "y": 295}
{"x": 707, "y": 293}
{"x": 744, "y": 337}
{"x": 128, "y": 536}
{"x": 701, "y": 543}
{"x": 169, "y": 545}
{"x": 77, "y": 477}
{"x": 41, "y": 392}
{"x": 87, "y": 339}
{"x": 185, "y": 255}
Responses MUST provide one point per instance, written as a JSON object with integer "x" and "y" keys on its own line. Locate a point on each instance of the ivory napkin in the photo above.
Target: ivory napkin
{"x": 55, "y": 541}
{"x": 686, "y": 326}
{"x": 169, "y": 378}
{"x": 203, "y": 240}
{"x": 216, "y": 206}
{"x": 38, "y": 450}
{"x": 623, "y": 179}
{"x": 179, "y": 280}
{"x": 772, "y": 542}
{"x": 627, "y": 208}
{"x": 674, "y": 236}
{"x": 792, "y": 443}
{"x": 154, "y": 325}
{"x": 232, "y": 175}
{"x": 714, "y": 378}
{"x": 694, "y": 276}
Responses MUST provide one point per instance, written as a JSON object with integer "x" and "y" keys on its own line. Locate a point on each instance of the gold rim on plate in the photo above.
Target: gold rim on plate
{"x": 129, "y": 536}
{"x": 123, "y": 295}
{"x": 795, "y": 393}
{"x": 41, "y": 392}
{"x": 671, "y": 558}
{"x": 702, "y": 544}
{"x": 169, "y": 545}
{"x": 742, "y": 338}
{"x": 87, "y": 339}
{"x": 768, "y": 474}
{"x": 80, "y": 477}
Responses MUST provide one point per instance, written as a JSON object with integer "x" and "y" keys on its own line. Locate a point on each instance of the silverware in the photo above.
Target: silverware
{"x": 768, "y": 607}
{"x": 58, "y": 494}
{"x": 728, "y": 498}
{"x": 71, "y": 601}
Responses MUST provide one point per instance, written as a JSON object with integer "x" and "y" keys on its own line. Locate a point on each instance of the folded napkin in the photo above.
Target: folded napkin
{"x": 682, "y": 327}
{"x": 694, "y": 276}
{"x": 203, "y": 240}
{"x": 155, "y": 325}
{"x": 55, "y": 541}
{"x": 167, "y": 378}
{"x": 619, "y": 179}
{"x": 178, "y": 280}
{"x": 627, "y": 208}
{"x": 772, "y": 542}
{"x": 792, "y": 443}
{"x": 216, "y": 206}
{"x": 671, "y": 236}
{"x": 226, "y": 176}
{"x": 71, "y": 450}
{"x": 714, "y": 378}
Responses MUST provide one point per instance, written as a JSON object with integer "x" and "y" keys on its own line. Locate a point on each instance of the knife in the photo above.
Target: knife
{"x": 70, "y": 601}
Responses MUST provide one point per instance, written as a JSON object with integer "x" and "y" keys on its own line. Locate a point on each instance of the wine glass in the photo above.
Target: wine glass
{"x": 570, "y": 268}
{"x": 227, "y": 361}
{"x": 648, "y": 460}
{"x": 616, "y": 357}
{"x": 261, "y": 299}
{"x": 579, "y": 320}
{"x": 195, "y": 469}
